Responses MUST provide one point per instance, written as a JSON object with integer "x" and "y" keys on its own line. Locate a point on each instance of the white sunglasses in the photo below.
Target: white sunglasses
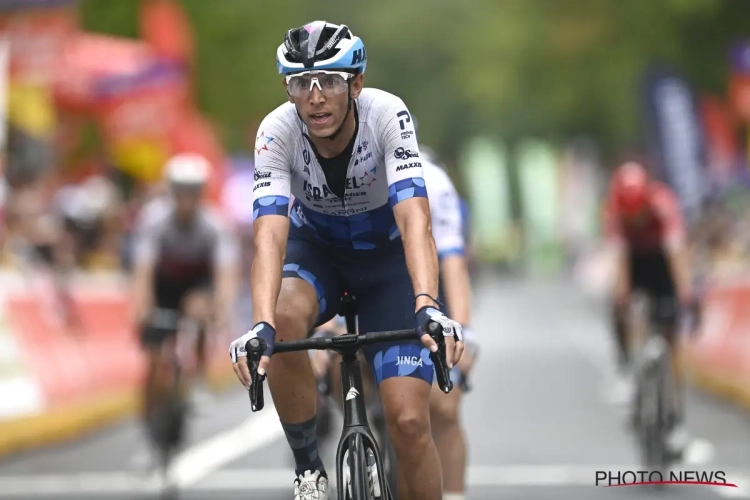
{"x": 329, "y": 83}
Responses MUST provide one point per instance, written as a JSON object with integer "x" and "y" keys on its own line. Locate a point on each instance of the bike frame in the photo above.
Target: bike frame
{"x": 355, "y": 411}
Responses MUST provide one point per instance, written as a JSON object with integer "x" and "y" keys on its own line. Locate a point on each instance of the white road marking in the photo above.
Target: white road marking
{"x": 208, "y": 456}
{"x": 236, "y": 480}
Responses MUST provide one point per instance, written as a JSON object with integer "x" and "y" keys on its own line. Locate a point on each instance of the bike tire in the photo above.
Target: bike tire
{"x": 391, "y": 468}
{"x": 167, "y": 422}
{"x": 652, "y": 397}
{"x": 388, "y": 452}
{"x": 359, "y": 475}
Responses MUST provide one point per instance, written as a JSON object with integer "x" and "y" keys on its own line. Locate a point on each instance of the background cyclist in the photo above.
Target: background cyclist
{"x": 185, "y": 259}
{"x": 644, "y": 224}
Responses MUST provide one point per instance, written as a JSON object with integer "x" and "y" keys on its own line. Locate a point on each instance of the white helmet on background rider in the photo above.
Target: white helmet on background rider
{"x": 187, "y": 170}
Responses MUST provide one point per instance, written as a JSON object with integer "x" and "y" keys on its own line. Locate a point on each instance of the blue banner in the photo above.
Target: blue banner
{"x": 676, "y": 138}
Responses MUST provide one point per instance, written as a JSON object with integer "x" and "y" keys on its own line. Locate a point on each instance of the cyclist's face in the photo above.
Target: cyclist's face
{"x": 322, "y": 98}
{"x": 186, "y": 203}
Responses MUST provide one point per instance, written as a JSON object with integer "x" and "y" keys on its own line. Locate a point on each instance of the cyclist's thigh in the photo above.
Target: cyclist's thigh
{"x": 198, "y": 301}
{"x": 381, "y": 284}
{"x": 309, "y": 272}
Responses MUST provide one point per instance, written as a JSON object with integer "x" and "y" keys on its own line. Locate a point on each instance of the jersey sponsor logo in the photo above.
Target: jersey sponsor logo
{"x": 262, "y": 142}
{"x": 409, "y": 360}
{"x": 408, "y": 165}
{"x": 369, "y": 177}
{"x": 404, "y": 154}
{"x": 407, "y": 134}
{"x": 261, "y": 185}
{"x": 315, "y": 192}
{"x": 347, "y": 212}
{"x": 351, "y": 183}
{"x": 306, "y": 156}
{"x": 324, "y": 192}
{"x": 359, "y": 56}
{"x": 363, "y": 147}
{"x": 403, "y": 118}
{"x": 261, "y": 175}
{"x": 363, "y": 159}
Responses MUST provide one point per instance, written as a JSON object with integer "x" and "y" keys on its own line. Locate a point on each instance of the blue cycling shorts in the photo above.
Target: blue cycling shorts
{"x": 380, "y": 282}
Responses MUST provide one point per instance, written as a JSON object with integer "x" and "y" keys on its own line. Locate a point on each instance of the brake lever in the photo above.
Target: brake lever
{"x": 438, "y": 358}
{"x": 255, "y": 349}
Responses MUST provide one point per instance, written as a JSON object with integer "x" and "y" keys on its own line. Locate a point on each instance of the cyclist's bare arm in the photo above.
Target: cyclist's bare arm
{"x": 621, "y": 274}
{"x": 269, "y": 241}
{"x": 615, "y": 243}
{"x": 270, "y": 234}
{"x": 227, "y": 271}
{"x": 413, "y": 221}
{"x": 457, "y": 287}
{"x": 144, "y": 257}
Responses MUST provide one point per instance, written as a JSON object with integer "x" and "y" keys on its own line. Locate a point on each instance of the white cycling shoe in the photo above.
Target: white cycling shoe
{"x": 311, "y": 486}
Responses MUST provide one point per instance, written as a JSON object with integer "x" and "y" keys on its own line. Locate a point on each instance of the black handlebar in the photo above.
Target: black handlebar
{"x": 256, "y": 347}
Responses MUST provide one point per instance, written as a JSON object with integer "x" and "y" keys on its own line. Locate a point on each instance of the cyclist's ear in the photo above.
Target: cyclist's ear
{"x": 288, "y": 95}
{"x": 356, "y": 85}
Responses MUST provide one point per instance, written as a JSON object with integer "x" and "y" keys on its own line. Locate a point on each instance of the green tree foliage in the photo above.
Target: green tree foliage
{"x": 551, "y": 68}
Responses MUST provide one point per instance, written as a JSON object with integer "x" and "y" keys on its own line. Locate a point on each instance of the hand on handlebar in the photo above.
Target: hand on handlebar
{"x": 246, "y": 374}
{"x": 452, "y": 331}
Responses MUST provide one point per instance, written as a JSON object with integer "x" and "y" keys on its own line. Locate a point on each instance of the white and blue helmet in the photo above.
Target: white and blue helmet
{"x": 321, "y": 46}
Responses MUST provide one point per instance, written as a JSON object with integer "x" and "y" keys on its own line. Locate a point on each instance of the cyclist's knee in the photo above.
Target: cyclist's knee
{"x": 444, "y": 408}
{"x": 198, "y": 305}
{"x": 410, "y": 428}
{"x": 408, "y": 422}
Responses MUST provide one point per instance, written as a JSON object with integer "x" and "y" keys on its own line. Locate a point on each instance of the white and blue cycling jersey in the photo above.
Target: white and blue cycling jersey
{"x": 445, "y": 210}
{"x": 384, "y": 170}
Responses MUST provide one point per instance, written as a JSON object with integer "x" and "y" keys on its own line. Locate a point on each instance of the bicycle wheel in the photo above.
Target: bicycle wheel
{"x": 358, "y": 487}
{"x": 389, "y": 454}
{"x": 652, "y": 404}
{"x": 166, "y": 421}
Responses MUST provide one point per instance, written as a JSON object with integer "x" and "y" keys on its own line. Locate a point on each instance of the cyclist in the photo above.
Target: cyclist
{"x": 185, "y": 259}
{"x": 360, "y": 223}
{"x": 644, "y": 222}
{"x": 448, "y": 231}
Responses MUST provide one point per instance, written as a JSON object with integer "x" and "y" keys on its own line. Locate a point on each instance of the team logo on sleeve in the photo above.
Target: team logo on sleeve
{"x": 262, "y": 142}
{"x": 404, "y": 154}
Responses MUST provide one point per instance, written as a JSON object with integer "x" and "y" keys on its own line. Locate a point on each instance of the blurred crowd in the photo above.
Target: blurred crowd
{"x": 721, "y": 239}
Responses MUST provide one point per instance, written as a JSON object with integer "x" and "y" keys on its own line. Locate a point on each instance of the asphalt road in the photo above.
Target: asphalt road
{"x": 538, "y": 424}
